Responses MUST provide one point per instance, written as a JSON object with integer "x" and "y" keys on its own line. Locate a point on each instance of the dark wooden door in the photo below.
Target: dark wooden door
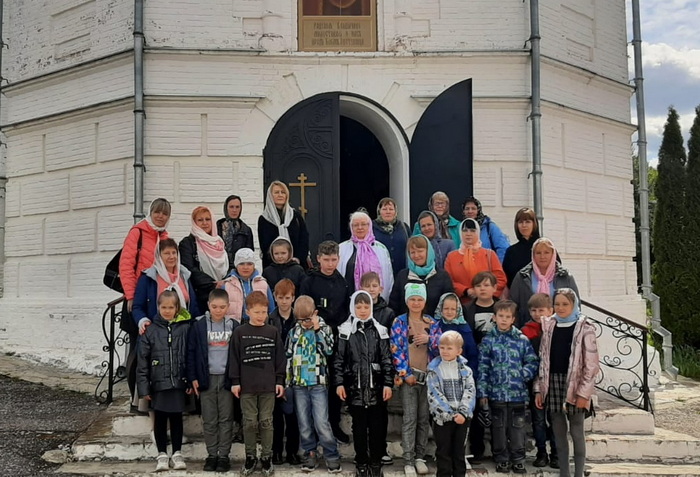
{"x": 303, "y": 152}
{"x": 441, "y": 150}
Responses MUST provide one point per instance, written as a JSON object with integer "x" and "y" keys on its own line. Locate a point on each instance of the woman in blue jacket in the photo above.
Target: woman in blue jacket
{"x": 491, "y": 235}
{"x": 392, "y": 232}
{"x": 166, "y": 274}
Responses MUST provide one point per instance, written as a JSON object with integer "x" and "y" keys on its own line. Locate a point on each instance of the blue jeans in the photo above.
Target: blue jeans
{"x": 311, "y": 406}
{"x": 541, "y": 431}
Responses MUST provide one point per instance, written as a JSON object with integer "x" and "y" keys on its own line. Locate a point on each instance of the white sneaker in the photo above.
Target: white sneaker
{"x": 178, "y": 461}
{"x": 162, "y": 462}
{"x": 421, "y": 467}
{"x": 409, "y": 470}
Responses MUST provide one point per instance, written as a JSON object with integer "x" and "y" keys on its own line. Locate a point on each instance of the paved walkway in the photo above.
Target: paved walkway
{"x": 677, "y": 406}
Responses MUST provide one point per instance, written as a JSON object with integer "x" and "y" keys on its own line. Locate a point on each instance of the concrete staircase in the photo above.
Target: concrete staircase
{"x": 622, "y": 441}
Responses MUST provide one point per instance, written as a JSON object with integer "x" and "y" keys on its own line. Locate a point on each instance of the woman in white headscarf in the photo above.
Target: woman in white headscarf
{"x": 362, "y": 254}
{"x": 279, "y": 219}
{"x": 203, "y": 253}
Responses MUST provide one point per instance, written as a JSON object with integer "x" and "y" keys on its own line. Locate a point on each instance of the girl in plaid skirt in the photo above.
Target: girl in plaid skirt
{"x": 566, "y": 380}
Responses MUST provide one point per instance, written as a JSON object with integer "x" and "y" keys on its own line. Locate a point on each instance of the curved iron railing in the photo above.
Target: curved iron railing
{"x": 623, "y": 354}
{"x": 114, "y": 369}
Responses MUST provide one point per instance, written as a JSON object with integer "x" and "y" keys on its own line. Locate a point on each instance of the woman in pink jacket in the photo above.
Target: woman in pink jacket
{"x": 566, "y": 381}
{"x": 138, "y": 254}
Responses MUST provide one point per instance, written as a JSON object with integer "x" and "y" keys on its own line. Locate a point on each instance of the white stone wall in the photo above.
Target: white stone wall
{"x": 70, "y": 139}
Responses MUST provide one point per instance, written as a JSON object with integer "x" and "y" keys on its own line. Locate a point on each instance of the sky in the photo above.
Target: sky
{"x": 671, "y": 61}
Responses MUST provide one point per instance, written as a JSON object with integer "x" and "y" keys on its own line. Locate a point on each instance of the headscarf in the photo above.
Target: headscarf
{"x": 429, "y": 266}
{"x": 230, "y": 226}
{"x": 430, "y": 213}
{"x": 469, "y": 251}
{"x": 172, "y": 281}
{"x": 575, "y": 313}
{"x": 356, "y": 321}
{"x": 479, "y": 213}
{"x": 444, "y": 220}
{"x": 366, "y": 259}
{"x": 210, "y": 247}
{"x": 387, "y": 227}
{"x": 459, "y": 319}
{"x": 279, "y": 241}
{"x": 282, "y": 218}
{"x": 544, "y": 280}
{"x": 150, "y": 221}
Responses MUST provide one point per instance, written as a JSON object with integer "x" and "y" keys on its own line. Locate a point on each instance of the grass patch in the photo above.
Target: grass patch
{"x": 687, "y": 359}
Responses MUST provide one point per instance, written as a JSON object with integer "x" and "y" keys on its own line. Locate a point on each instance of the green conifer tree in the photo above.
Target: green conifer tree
{"x": 692, "y": 224}
{"x": 670, "y": 273}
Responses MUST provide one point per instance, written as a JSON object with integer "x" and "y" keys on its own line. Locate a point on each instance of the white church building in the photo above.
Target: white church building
{"x": 364, "y": 98}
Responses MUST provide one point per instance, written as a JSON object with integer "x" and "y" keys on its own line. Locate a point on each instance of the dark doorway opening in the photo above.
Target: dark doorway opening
{"x": 364, "y": 172}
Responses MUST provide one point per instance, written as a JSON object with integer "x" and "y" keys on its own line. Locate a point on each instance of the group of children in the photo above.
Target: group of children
{"x": 459, "y": 370}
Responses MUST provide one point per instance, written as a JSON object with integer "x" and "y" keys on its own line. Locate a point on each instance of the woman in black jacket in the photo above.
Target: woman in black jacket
{"x": 421, "y": 269}
{"x": 280, "y": 219}
{"x": 203, "y": 253}
{"x": 235, "y": 233}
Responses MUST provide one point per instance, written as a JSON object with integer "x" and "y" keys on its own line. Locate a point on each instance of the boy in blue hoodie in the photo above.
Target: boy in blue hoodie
{"x": 506, "y": 363}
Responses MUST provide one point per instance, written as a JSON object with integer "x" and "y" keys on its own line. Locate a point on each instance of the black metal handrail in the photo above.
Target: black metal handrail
{"x": 114, "y": 370}
{"x": 632, "y": 371}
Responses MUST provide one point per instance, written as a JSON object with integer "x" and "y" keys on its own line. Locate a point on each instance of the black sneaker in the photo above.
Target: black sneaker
{"x": 223, "y": 464}
{"x": 341, "y": 436}
{"x": 503, "y": 467}
{"x": 210, "y": 464}
{"x": 541, "y": 459}
{"x": 333, "y": 466}
{"x": 519, "y": 468}
{"x": 554, "y": 461}
{"x": 293, "y": 459}
{"x": 249, "y": 465}
{"x": 267, "y": 467}
{"x": 477, "y": 459}
{"x": 277, "y": 458}
{"x": 309, "y": 463}
{"x": 387, "y": 460}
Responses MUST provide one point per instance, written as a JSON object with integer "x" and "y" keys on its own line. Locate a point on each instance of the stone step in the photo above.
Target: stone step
{"x": 610, "y": 418}
{"x": 143, "y": 469}
{"x": 663, "y": 447}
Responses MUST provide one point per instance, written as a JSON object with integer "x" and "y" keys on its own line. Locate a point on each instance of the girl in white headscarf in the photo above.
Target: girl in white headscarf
{"x": 280, "y": 219}
{"x": 203, "y": 253}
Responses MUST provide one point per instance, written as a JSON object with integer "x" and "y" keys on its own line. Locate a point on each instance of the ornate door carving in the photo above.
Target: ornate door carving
{"x": 303, "y": 152}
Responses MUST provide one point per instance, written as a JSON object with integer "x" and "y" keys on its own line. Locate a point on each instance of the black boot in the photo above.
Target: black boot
{"x": 375, "y": 470}
{"x": 362, "y": 471}
{"x": 541, "y": 459}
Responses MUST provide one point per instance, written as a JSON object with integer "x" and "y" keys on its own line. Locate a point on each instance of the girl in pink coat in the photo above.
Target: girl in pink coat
{"x": 566, "y": 381}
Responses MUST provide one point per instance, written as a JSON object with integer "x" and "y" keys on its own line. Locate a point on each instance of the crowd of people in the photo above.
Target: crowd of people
{"x": 466, "y": 331}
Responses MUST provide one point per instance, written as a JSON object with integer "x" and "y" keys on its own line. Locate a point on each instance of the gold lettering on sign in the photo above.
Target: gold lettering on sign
{"x": 302, "y": 184}
{"x": 337, "y": 25}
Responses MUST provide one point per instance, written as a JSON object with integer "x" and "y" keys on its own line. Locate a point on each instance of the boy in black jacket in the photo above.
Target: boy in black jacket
{"x": 207, "y": 359}
{"x": 364, "y": 375}
{"x": 256, "y": 368}
{"x": 329, "y": 291}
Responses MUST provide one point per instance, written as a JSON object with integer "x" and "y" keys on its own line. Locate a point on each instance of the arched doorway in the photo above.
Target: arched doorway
{"x": 337, "y": 152}
{"x": 305, "y": 150}
{"x": 364, "y": 171}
